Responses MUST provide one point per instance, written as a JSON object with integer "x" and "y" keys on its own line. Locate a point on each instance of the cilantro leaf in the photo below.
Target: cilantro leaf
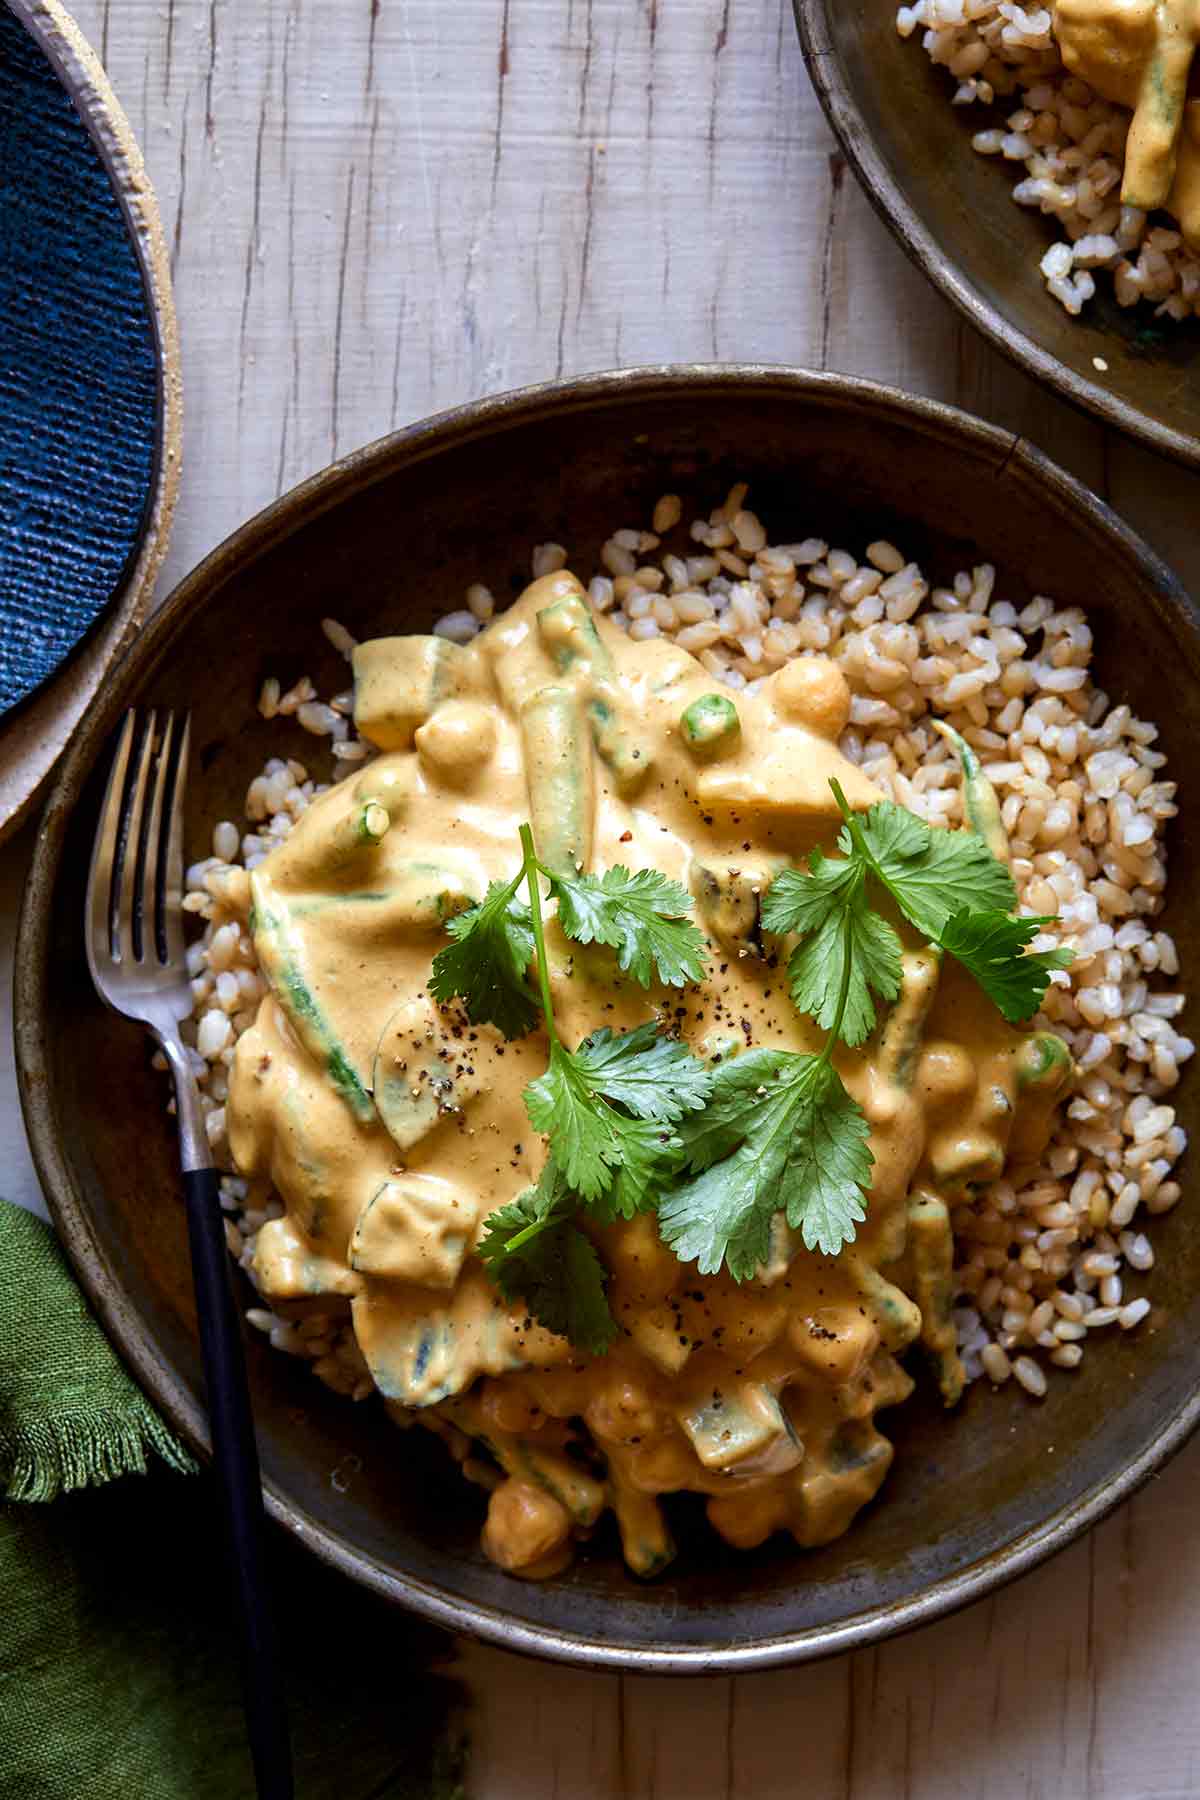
{"x": 802, "y": 1150}
{"x": 533, "y": 1252}
{"x": 487, "y": 963}
{"x": 829, "y": 1166}
{"x": 990, "y": 945}
{"x": 930, "y": 872}
{"x": 848, "y": 949}
{"x": 652, "y": 1076}
{"x": 738, "y": 1089}
{"x": 642, "y": 916}
{"x": 799, "y": 901}
{"x": 591, "y": 1138}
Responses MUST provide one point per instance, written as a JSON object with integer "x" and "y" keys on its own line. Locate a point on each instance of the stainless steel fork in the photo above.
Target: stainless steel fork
{"x": 137, "y": 957}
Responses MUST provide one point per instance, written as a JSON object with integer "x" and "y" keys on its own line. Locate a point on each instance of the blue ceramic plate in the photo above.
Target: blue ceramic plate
{"x": 80, "y": 387}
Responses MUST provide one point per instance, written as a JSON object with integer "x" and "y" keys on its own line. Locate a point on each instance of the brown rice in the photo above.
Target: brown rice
{"x": 1084, "y": 801}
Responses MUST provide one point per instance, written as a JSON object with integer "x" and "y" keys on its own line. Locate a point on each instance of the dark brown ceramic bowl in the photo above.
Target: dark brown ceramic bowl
{"x": 953, "y": 212}
{"x": 384, "y": 541}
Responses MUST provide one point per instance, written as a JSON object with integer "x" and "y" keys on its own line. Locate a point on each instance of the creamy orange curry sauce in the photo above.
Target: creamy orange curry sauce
{"x": 391, "y": 1127}
{"x": 1139, "y": 54}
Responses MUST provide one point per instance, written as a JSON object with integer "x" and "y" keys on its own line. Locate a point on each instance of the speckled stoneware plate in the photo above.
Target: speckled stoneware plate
{"x": 386, "y": 541}
{"x": 89, "y": 389}
{"x": 953, "y": 212}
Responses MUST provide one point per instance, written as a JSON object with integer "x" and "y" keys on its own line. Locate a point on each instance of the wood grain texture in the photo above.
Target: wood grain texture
{"x": 379, "y": 208}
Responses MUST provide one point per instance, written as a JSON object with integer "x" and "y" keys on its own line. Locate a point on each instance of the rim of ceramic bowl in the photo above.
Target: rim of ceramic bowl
{"x": 902, "y": 219}
{"x": 125, "y": 1326}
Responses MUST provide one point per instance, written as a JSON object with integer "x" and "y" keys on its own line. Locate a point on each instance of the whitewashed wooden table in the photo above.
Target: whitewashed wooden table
{"x": 378, "y": 208}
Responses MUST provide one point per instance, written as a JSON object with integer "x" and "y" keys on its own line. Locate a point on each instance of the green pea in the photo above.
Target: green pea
{"x": 711, "y": 726}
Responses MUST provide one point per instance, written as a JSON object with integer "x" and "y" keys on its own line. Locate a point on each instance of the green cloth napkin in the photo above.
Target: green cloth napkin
{"x": 69, "y": 1414}
{"x": 118, "y": 1662}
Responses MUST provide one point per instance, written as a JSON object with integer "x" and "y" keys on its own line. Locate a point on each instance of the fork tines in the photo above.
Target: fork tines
{"x": 135, "y": 886}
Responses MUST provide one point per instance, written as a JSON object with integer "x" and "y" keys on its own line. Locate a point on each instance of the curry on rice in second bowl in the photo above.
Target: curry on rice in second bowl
{"x": 1107, "y": 129}
{"x": 700, "y": 989}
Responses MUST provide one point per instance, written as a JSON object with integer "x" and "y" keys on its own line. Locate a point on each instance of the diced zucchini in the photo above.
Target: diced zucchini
{"x": 730, "y": 1429}
{"x": 419, "y": 1076}
{"x": 280, "y": 949}
{"x": 729, "y": 895}
{"x": 400, "y": 681}
{"x": 414, "y": 1228}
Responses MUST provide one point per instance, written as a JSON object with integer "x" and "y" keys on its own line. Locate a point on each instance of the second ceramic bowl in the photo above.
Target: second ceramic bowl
{"x": 953, "y": 212}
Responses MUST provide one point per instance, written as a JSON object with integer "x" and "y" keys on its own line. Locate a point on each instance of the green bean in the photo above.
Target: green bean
{"x": 581, "y": 1497}
{"x": 568, "y": 631}
{"x": 1152, "y": 148}
{"x": 1044, "y": 1070}
{"x": 360, "y": 830}
{"x": 971, "y": 1160}
{"x": 629, "y": 759}
{"x": 983, "y": 808}
{"x": 559, "y": 778}
{"x": 647, "y": 1544}
{"x": 903, "y": 1030}
{"x": 279, "y": 949}
{"x": 1043, "y": 1061}
{"x": 710, "y": 726}
{"x": 932, "y": 1247}
{"x": 577, "y": 1493}
{"x": 896, "y": 1318}
{"x": 424, "y": 895}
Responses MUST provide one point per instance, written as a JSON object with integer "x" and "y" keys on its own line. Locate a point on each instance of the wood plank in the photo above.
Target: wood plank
{"x": 379, "y": 208}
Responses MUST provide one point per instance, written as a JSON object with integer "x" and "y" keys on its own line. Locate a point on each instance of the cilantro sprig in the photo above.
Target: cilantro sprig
{"x": 642, "y": 916}
{"x": 801, "y": 1148}
{"x": 534, "y": 1251}
{"x": 606, "y": 1106}
{"x": 610, "y": 1106}
{"x": 634, "y": 1121}
{"x": 487, "y": 964}
{"x": 947, "y": 884}
{"x": 781, "y": 1133}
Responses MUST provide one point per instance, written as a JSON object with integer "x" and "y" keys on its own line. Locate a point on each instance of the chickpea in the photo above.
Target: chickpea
{"x": 390, "y": 782}
{"x": 510, "y": 1407}
{"x": 622, "y": 1412}
{"x": 527, "y": 1531}
{"x": 460, "y": 736}
{"x": 834, "y": 1342}
{"x": 945, "y": 1072}
{"x": 813, "y": 690}
{"x": 746, "y": 1520}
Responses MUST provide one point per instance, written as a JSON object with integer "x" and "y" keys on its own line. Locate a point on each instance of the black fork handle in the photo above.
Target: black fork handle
{"x": 236, "y": 1457}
